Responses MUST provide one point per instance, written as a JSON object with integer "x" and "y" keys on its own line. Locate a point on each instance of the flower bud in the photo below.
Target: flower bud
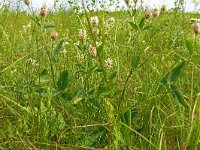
{"x": 196, "y": 27}
{"x": 155, "y": 13}
{"x": 147, "y": 14}
{"x": 94, "y": 21}
{"x": 82, "y": 34}
{"x": 54, "y": 35}
{"x": 108, "y": 63}
{"x": 43, "y": 11}
{"x": 163, "y": 8}
{"x": 95, "y": 31}
{"x": 27, "y": 2}
{"x": 93, "y": 51}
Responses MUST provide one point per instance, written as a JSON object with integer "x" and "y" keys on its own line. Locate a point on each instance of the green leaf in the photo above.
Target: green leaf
{"x": 175, "y": 73}
{"x": 147, "y": 27}
{"x": 134, "y": 12}
{"x": 128, "y": 116}
{"x": 189, "y": 46}
{"x": 113, "y": 75}
{"x": 135, "y": 62}
{"x": 77, "y": 100}
{"x": 48, "y": 25}
{"x": 178, "y": 96}
{"x": 66, "y": 96}
{"x": 133, "y": 25}
{"x": 63, "y": 81}
{"x": 142, "y": 21}
{"x": 58, "y": 48}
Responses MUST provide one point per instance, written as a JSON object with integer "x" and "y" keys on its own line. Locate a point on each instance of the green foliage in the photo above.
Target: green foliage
{"x": 132, "y": 86}
{"x": 63, "y": 81}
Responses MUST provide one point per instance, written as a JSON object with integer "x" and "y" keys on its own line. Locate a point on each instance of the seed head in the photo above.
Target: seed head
{"x": 196, "y": 28}
{"x": 43, "y": 11}
{"x": 163, "y": 8}
{"x": 108, "y": 63}
{"x": 54, "y": 35}
{"x": 82, "y": 34}
{"x": 106, "y": 33}
{"x": 155, "y": 13}
{"x": 95, "y": 31}
{"x": 147, "y": 14}
{"x": 93, "y": 51}
{"x": 27, "y": 2}
{"x": 94, "y": 21}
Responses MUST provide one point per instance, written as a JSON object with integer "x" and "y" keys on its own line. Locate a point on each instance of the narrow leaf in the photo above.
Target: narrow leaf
{"x": 147, "y": 27}
{"x": 135, "y": 62}
{"x": 175, "y": 73}
{"x": 189, "y": 46}
{"x": 58, "y": 48}
{"x": 133, "y": 25}
{"x": 63, "y": 81}
{"x": 48, "y": 25}
{"x": 141, "y": 25}
{"x": 178, "y": 96}
{"x": 134, "y": 12}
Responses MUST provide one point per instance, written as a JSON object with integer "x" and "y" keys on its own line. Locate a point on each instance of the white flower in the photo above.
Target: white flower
{"x": 54, "y": 35}
{"x": 82, "y": 34}
{"x": 196, "y": 27}
{"x": 111, "y": 20}
{"x": 93, "y": 50}
{"x": 94, "y": 21}
{"x": 108, "y": 63}
{"x": 98, "y": 44}
{"x": 95, "y": 31}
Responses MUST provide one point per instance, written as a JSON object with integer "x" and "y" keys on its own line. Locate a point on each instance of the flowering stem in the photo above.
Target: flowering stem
{"x": 124, "y": 89}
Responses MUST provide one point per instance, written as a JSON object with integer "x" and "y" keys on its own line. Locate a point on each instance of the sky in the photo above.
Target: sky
{"x": 190, "y": 6}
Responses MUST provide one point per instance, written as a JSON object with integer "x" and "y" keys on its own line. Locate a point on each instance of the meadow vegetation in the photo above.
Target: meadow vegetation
{"x": 126, "y": 79}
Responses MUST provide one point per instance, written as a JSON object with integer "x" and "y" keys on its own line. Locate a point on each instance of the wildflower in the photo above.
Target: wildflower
{"x": 98, "y": 44}
{"x": 95, "y": 31}
{"x": 155, "y": 13}
{"x": 27, "y": 2}
{"x": 94, "y": 21}
{"x": 111, "y": 21}
{"x": 82, "y": 34}
{"x": 54, "y": 35}
{"x": 147, "y": 14}
{"x": 196, "y": 27}
{"x": 32, "y": 62}
{"x": 163, "y": 8}
{"x": 108, "y": 63}
{"x": 43, "y": 11}
{"x": 106, "y": 33}
{"x": 93, "y": 50}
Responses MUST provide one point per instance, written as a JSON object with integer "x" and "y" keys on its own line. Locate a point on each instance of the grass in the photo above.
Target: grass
{"x": 55, "y": 95}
